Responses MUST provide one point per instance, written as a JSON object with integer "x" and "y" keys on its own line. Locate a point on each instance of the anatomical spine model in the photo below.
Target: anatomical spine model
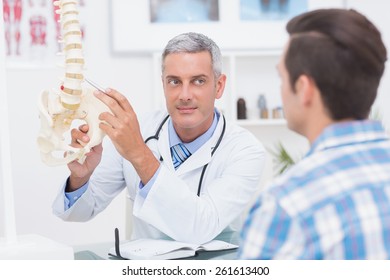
{"x": 59, "y": 108}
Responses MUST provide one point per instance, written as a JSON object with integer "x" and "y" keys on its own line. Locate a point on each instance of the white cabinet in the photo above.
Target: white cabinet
{"x": 249, "y": 74}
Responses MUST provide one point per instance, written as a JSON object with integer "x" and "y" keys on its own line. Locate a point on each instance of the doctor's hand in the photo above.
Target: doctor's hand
{"x": 122, "y": 127}
{"x": 80, "y": 173}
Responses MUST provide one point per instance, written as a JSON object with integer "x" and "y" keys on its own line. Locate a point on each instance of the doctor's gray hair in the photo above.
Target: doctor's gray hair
{"x": 194, "y": 43}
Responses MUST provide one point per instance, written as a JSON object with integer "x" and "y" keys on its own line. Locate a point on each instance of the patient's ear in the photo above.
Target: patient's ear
{"x": 305, "y": 88}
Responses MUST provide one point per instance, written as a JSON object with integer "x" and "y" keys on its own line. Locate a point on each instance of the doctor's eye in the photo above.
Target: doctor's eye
{"x": 173, "y": 82}
{"x": 199, "y": 81}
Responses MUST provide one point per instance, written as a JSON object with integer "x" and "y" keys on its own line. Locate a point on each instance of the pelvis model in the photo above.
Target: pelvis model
{"x": 71, "y": 101}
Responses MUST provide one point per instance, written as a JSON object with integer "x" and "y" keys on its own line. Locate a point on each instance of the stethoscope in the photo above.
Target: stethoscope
{"x": 157, "y": 135}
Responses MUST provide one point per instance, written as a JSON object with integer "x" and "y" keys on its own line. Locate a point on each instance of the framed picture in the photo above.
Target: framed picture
{"x": 145, "y": 26}
{"x": 263, "y": 10}
{"x": 163, "y": 11}
{"x": 32, "y": 32}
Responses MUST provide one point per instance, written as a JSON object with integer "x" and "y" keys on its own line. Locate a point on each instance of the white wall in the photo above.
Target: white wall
{"x": 36, "y": 184}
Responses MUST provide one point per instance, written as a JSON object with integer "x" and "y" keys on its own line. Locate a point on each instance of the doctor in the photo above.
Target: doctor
{"x": 189, "y": 172}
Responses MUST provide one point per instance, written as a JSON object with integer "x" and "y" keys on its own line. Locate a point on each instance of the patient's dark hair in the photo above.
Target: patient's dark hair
{"x": 342, "y": 51}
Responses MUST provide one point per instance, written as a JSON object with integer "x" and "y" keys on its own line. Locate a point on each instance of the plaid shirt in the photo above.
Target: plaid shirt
{"x": 334, "y": 204}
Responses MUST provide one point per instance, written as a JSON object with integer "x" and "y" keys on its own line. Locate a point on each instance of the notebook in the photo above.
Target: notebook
{"x": 159, "y": 249}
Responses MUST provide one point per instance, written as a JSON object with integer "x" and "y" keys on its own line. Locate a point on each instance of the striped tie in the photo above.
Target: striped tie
{"x": 179, "y": 154}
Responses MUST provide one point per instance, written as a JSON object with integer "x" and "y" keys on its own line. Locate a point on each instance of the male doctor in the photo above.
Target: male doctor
{"x": 189, "y": 172}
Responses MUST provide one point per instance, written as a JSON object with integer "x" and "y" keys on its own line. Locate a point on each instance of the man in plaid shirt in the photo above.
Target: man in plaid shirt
{"x": 335, "y": 203}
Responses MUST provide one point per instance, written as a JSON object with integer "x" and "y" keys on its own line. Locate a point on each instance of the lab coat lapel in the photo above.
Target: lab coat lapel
{"x": 200, "y": 158}
{"x": 163, "y": 147}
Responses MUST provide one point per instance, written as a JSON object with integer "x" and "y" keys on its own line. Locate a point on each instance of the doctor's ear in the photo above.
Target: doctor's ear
{"x": 221, "y": 82}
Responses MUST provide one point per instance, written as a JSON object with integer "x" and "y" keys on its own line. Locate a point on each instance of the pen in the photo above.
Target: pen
{"x": 95, "y": 85}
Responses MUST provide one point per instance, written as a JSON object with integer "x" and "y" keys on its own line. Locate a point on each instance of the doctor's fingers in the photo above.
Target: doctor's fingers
{"x": 115, "y": 101}
{"x": 116, "y": 128}
{"x": 120, "y": 138}
{"x": 111, "y": 120}
{"x": 121, "y": 99}
{"x": 84, "y": 128}
{"x": 127, "y": 142}
{"x": 79, "y": 137}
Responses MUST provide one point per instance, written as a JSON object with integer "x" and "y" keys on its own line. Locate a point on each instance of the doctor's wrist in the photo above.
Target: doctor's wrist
{"x": 146, "y": 165}
{"x": 74, "y": 183}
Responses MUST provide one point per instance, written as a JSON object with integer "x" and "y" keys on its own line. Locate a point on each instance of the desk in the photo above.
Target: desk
{"x": 100, "y": 251}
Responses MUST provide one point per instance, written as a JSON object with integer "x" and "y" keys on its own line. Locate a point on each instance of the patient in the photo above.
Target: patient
{"x": 335, "y": 203}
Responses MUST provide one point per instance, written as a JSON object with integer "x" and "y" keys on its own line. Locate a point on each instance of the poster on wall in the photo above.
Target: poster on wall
{"x": 183, "y": 11}
{"x": 145, "y": 26}
{"x": 32, "y": 32}
{"x": 271, "y": 9}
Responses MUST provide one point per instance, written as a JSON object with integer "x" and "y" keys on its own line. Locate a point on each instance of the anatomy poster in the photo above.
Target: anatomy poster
{"x": 176, "y": 11}
{"x": 271, "y": 9}
{"x": 32, "y": 31}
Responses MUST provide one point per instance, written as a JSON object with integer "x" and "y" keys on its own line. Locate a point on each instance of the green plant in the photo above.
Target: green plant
{"x": 375, "y": 115}
{"x": 282, "y": 159}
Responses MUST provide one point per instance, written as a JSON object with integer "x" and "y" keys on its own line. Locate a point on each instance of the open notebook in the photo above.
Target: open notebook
{"x": 158, "y": 249}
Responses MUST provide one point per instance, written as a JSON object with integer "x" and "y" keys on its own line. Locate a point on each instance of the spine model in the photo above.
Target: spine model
{"x": 74, "y": 62}
{"x": 70, "y": 101}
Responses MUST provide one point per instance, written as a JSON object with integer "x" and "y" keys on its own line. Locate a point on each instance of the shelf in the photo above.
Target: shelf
{"x": 262, "y": 122}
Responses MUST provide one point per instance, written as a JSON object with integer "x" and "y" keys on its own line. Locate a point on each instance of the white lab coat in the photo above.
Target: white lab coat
{"x": 172, "y": 208}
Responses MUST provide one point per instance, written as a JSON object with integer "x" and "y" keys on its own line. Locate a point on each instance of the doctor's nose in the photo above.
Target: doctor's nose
{"x": 185, "y": 93}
